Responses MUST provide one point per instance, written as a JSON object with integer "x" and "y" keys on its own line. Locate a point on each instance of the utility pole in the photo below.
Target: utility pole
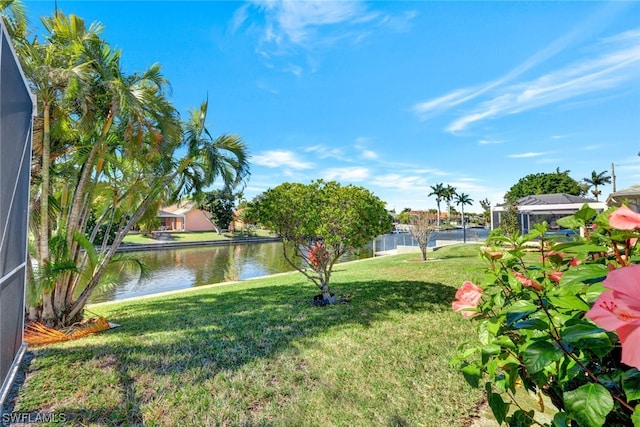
{"x": 613, "y": 176}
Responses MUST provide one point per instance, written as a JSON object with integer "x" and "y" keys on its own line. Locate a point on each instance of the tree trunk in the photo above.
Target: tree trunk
{"x": 79, "y": 194}
{"x": 43, "y": 258}
{"x": 49, "y": 317}
{"x": 326, "y": 295}
{"x": 77, "y": 306}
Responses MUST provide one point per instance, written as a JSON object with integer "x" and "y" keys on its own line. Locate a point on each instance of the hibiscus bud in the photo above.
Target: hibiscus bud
{"x": 556, "y": 276}
{"x": 527, "y": 282}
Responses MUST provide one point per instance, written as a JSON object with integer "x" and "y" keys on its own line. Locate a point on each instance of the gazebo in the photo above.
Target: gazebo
{"x": 544, "y": 207}
{"x": 631, "y": 195}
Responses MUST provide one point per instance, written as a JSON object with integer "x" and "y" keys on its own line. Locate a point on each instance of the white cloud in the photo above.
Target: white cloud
{"x": 489, "y": 142}
{"x": 612, "y": 69}
{"x": 426, "y": 109}
{"x": 354, "y": 174}
{"x": 324, "y": 152}
{"x": 293, "y": 24}
{"x": 280, "y": 158}
{"x": 369, "y": 154}
{"x": 400, "y": 182}
{"x": 526, "y": 155}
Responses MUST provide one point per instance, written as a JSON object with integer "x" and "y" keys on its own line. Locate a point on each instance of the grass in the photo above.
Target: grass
{"x": 258, "y": 353}
{"x": 192, "y": 236}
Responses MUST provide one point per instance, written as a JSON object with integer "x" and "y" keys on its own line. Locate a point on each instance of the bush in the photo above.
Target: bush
{"x": 566, "y": 324}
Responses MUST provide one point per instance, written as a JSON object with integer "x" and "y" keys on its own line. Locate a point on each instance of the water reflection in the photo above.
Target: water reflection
{"x": 174, "y": 269}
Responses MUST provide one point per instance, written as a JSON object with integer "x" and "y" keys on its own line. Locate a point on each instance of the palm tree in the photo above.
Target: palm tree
{"x": 206, "y": 159}
{"x": 15, "y": 17}
{"x": 438, "y": 190}
{"x": 449, "y": 194}
{"x": 462, "y": 199}
{"x": 596, "y": 180}
{"x": 51, "y": 68}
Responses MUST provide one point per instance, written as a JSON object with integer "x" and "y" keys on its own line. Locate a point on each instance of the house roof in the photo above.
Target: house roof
{"x": 556, "y": 204}
{"x": 176, "y": 210}
{"x": 631, "y": 194}
{"x": 552, "y": 199}
{"x": 633, "y": 191}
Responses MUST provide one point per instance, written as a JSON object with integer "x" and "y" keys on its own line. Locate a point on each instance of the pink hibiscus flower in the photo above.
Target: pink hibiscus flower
{"x": 529, "y": 283}
{"x": 468, "y": 296}
{"x": 619, "y": 309}
{"x": 624, "y": 218}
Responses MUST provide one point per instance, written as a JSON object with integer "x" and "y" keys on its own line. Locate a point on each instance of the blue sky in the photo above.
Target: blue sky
{"x": 398, "y": 96}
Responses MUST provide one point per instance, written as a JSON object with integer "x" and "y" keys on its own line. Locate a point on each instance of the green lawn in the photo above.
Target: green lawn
{"x": 258, "y": 353}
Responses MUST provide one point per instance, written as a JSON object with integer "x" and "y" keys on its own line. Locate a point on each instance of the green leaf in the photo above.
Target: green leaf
{"x": 560, "y": 419}
{"x": 569, "y": 301}
{"x": 635, "y": 418}
{"x": 583, "y": 273}
{"x": 589, "y": 404}
{"x": 498, "y": 406}
{"x": 586, "y": 213}
{"x": 505, "y": 342}
{"x": 471, "y": 374}
{"x": 519, "y": 310}
{"x": 536, "y": 324}
{"x": 539, "y": 355}
{"x": 490, "y": 350}
{"x": 631, "y": 384}
{"x": 521, "y": 418}
{"x": 589, "y": 336}
{"x": 570, "y": 222}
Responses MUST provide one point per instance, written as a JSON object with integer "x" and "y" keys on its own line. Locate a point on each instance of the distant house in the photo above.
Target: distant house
{"x": 544, "y": 207}
{"x": 630, "y": 195}
{"x": 185, "y": 216}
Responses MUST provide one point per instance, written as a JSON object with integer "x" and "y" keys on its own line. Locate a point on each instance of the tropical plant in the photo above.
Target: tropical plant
{"x": 462, "y": 199}
{"x": 566, "y": 326}
{"x": 449, "y": 195}
{"x": 318, "y": 223}
{"x": 439, "y": 191}
{"x": 597, "y": 180}
{"x": 105, "y": 147}
{"x": 14, "y": 14}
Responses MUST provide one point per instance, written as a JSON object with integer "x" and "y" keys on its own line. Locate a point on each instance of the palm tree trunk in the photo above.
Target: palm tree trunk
{"x": 76, "y": 307}
{"x": 44, "y": 190}
{"x": 48, "y": 313}
{"x": 79, "y": 196}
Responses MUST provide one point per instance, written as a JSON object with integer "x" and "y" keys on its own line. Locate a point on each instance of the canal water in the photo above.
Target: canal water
{"x": 182, "y": 268}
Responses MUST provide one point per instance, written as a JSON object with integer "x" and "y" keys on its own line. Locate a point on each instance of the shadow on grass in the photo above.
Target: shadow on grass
{"x": 203, "y": 334}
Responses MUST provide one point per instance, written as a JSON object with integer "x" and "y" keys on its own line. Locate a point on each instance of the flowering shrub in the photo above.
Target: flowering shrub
{"x": 561, "y": 319}
{"x": 318, "y": 256}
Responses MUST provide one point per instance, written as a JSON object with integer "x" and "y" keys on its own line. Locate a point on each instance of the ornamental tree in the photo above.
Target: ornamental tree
{"x": 319, "y": 222}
